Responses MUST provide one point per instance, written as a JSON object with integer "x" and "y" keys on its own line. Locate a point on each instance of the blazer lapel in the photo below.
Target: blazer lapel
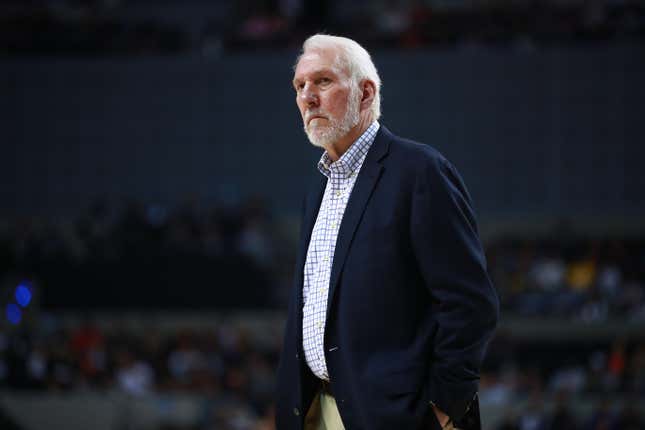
{"x": 367, "y": 179}
{"x": 312, "y": 204}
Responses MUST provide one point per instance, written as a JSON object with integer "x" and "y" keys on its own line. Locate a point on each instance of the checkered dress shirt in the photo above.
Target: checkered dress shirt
{"x": 341, "y": 176}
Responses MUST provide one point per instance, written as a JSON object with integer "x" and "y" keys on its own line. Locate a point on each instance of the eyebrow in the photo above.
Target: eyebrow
{"x": 316, "y": 73}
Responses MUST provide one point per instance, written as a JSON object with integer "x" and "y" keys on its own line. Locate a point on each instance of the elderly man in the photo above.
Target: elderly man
{"x": 392, "y": 307}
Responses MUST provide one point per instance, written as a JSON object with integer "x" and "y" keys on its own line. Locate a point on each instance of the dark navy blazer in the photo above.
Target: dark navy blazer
{"x": 411, "y": 307}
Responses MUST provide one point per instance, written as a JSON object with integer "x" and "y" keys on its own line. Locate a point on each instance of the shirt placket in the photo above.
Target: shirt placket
{"x": 341, "y": 176}
{"x": 328, "y": 255}
{"x": 323, "y": 278}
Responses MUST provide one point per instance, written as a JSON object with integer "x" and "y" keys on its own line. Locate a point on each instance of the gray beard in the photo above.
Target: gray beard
{"x": 336, "y": 130}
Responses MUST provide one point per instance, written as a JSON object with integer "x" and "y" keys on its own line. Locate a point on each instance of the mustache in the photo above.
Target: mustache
{"x": 314, "y": 114}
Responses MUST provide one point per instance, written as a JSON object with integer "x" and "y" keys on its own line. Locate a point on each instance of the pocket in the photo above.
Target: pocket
{"x": 431, "y": 420}
{"x": 405, "y": 381}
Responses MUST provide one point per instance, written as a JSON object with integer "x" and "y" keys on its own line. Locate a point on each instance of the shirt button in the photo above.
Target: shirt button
{"x": 296, "y": 411}
{"x": 338, "y": 193}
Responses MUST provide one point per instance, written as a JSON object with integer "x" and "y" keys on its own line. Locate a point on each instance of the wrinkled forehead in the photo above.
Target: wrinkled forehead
{"x": 317, "y": 60}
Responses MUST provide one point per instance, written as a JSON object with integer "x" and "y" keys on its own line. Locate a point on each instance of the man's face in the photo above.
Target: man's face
{"x": 329, "y": 104}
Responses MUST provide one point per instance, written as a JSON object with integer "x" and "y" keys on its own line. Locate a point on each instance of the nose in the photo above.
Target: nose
{"x": 308, "y": 96}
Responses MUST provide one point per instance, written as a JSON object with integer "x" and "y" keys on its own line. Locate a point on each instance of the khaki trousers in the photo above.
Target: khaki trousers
{"x": 323, "y": 414}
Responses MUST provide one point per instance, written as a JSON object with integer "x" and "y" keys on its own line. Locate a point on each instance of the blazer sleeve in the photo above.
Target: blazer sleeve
{"x": 451, "y": 260}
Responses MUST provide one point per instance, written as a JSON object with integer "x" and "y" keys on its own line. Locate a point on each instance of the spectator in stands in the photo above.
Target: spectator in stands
{"x": 561, "y": 418}
{"x": 134, "y": 376}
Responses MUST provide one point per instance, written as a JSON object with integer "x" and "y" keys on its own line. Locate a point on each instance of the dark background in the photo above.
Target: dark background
{"x": 563, "y": 122}
{"x": 153, "y": 164}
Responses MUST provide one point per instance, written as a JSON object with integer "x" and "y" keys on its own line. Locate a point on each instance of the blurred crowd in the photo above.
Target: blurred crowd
{"x": 604, "y": 416}
{"x": 531, "y": 384}
{"x": 570, "y": 276}
{"x": 234, "y": 373}
{"x": 145, "y": 256}
{"x": 135, "y": 255}
{"x": 133, "y": 27}
{"x": 551, "y": 383}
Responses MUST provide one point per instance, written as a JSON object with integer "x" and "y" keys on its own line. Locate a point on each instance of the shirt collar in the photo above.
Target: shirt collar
{"x": 353, "y": 158}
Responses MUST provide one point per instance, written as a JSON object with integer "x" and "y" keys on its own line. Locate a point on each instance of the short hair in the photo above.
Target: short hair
{"x": 352, "y": 56}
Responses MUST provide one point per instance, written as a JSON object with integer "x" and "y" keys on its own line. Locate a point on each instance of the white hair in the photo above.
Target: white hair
{"x": 354, "y": 58}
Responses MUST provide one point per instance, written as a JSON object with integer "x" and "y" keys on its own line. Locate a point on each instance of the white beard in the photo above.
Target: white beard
{"x": 325, "y": 135}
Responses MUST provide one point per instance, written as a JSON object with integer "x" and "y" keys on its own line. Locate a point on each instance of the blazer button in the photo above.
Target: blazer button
{"x": 297, "y": 356}
{"x": 296, "y": 411}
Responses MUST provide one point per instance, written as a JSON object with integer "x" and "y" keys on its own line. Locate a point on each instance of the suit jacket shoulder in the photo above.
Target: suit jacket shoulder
{"x": 414, "y": 155}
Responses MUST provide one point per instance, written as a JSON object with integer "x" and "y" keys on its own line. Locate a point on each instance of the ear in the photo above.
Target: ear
{"x": 368, "y": 92}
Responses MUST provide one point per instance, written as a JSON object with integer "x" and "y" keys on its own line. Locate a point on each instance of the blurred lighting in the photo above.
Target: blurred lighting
{"x": 14, "y": 315}
{"x": 23, "y": 295}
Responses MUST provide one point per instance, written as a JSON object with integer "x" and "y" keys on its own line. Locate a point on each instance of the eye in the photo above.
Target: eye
{"x": 324, "y": 81}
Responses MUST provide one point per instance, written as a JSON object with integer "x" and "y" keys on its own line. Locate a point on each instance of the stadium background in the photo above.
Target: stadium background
{"x": 152, "y": 165}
